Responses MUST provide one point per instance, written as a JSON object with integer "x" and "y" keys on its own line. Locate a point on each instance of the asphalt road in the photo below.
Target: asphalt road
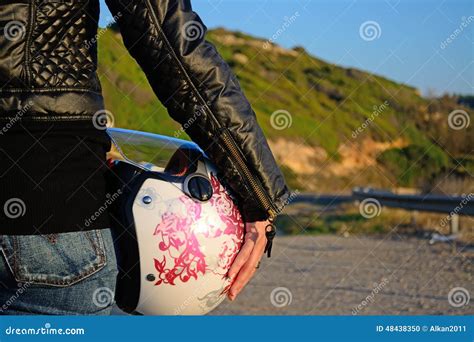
{"x": 333, "y": 275}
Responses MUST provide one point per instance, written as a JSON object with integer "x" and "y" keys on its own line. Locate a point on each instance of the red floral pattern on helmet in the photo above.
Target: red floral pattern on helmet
{"x": 180, "y": 233}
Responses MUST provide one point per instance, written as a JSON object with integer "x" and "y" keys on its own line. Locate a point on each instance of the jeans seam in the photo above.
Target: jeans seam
{"x": 99, "y": 247}
{"x": 16, "y": 251}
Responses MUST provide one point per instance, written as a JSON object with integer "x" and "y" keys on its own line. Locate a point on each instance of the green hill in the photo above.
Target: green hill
{"x": 353, "y": 127}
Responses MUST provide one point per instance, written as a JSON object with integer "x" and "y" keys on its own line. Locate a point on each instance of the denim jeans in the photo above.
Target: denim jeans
{"x": 58, "y": 274}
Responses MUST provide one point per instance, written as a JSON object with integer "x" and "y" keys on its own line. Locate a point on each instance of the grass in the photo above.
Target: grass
{"x": 346, "y": 220}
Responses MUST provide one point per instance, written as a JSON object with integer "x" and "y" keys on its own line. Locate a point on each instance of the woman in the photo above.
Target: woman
{"x": 52, "y": 149}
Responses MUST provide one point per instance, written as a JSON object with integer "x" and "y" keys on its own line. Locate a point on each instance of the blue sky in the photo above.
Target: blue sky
{"x": 410, "y": 34}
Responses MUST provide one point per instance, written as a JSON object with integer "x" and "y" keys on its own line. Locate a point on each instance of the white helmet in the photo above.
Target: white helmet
{"x": 176, "y": 226}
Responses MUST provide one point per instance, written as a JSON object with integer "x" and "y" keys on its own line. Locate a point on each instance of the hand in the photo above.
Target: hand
{"x": 245, "y": 264}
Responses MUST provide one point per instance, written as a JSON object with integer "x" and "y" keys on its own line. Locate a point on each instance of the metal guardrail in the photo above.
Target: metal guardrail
{"x": 323, "y": 199}
{"x": 453, "y": 205}
{"x": 460, "y": 205}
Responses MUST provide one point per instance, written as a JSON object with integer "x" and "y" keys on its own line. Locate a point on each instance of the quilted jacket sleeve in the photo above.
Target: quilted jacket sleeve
{"x": 200, "y": 91}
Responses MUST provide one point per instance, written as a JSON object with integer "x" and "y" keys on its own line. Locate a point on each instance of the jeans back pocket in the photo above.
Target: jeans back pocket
{"x": 57, "y": 260}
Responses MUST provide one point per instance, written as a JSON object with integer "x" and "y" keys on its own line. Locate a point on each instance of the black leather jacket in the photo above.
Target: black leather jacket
{"x": 48, "y": 62}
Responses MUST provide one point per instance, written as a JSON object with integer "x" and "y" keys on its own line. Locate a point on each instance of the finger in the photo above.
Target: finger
{"x": 248, "y": 270}
{"x": 244, "y": 276}
{"x": 241, "y": 258}
{"x": 250, "y": 237}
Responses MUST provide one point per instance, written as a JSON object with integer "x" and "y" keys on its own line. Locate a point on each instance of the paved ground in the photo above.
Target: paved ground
{"x": 332, "y": 275}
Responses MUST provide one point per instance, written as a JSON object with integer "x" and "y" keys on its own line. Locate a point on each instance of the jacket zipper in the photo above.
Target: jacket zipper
{"x": 229, "y": 142}
{"x": 29, "y": 33}
{"x": 254, "y": 183}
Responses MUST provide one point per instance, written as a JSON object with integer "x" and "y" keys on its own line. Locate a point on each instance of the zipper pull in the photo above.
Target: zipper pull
{"x": 270, "y": 232}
